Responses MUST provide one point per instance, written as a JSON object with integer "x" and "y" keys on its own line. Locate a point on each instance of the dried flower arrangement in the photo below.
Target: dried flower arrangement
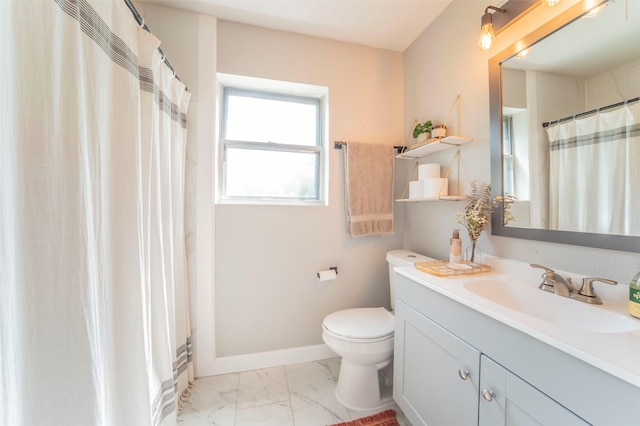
{"x": 477, "y": 212}
{"x": 506, "y": 201}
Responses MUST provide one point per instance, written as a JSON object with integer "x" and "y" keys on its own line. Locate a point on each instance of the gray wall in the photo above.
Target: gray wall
{"x": 267, "y": 295}
{"x": 430, "y": 87}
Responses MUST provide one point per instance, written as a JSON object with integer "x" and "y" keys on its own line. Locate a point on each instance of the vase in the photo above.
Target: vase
{"x": 439, "y": 131}
{"x": 473, "y": 254}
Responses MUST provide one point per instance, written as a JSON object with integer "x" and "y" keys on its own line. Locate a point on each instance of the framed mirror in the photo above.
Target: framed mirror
{"x": 565, "y": 129}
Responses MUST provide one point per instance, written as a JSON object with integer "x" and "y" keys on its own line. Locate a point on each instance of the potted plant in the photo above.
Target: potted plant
{"x": 423, "y": 129}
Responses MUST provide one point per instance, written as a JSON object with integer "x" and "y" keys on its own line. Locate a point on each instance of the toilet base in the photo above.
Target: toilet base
{"x": 359, "y": 387}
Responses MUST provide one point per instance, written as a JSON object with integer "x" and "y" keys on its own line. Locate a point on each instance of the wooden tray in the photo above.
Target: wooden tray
{"x": 442, "y": 268}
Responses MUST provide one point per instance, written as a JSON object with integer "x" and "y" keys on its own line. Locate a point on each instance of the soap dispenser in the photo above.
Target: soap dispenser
{"x": 634, "y": 296}
{"x": 455, "y": 247}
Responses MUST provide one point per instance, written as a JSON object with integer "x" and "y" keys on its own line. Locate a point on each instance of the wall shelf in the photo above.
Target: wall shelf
{"x": 422, "y": 200}
{"x": 435, "y": 146}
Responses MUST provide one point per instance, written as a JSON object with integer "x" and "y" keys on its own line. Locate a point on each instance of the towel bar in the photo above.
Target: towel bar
{"x": 338, "y": 145}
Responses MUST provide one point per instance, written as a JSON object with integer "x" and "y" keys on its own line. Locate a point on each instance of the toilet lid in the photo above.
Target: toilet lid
{"x": 360, "y": 323}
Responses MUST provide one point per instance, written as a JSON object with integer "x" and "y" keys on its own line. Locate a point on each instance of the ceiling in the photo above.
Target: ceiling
{"x": 385, "y": 24}
{"x": 588, "y": 46}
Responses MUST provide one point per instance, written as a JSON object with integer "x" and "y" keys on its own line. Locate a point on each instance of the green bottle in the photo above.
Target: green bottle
{"x": 634, "y": 296}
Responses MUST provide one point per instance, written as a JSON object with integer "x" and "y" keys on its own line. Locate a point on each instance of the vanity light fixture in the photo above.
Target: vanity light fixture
{"x": 487, "y": 36}
{"x": 510, "y": 12}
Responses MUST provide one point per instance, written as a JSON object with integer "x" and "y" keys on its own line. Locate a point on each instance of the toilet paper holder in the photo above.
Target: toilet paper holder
{"x": 332, "y": 268}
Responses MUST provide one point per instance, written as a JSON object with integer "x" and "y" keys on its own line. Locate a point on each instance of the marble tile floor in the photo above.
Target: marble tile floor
{"x": 291, "y": 395}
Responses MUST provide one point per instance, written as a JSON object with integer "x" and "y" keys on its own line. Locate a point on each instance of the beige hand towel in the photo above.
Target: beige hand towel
{"x": 369, "y": 189}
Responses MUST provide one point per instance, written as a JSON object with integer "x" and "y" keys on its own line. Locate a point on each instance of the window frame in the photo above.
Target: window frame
{"x": 266, "y": 89}
{"x": 508, "y": 157}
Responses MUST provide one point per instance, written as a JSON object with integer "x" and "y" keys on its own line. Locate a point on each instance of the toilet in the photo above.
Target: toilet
{"x": 363, "y": 337}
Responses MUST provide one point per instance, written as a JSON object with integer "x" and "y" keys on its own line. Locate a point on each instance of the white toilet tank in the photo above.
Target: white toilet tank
{"x": 401, "y": 258}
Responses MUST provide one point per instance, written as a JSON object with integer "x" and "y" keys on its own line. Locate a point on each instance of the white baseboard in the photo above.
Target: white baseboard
{"x": 237, "y": 363}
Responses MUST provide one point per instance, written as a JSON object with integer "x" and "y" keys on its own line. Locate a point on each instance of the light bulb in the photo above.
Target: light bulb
{"x": 487, "y": 37}
{"x": 595, "y": 11}
{"x": 550, "y": 3}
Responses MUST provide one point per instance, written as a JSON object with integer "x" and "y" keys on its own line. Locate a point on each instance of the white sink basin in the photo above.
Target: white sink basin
{"x": 552, "y": 308}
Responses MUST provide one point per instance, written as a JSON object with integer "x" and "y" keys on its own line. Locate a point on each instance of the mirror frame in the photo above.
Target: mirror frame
{"x": 606, "y": 241}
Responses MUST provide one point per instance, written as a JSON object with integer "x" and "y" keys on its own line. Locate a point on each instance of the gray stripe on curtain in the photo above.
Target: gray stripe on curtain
{"x": 93, "y": 26}
{"x": 598, "y": 137}
{"x": 164, "y": 402}
{"x": 183, "y": 358}
{"x": 116, "y": 49}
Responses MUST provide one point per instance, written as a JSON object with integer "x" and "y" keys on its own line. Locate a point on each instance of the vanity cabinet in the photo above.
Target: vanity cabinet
{"x": 441, "y": 380}
{"x": 447, "y": 354}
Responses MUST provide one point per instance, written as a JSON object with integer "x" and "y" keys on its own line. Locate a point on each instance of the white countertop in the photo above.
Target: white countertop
{"x": 617, "y": 353}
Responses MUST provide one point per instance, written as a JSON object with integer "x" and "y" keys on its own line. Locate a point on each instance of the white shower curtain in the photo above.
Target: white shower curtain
{"x": 94, "y": 325}
{"x": 595, "y": 172}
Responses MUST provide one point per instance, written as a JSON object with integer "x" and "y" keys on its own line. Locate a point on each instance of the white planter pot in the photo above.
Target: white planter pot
{"x": 439, "y": 132}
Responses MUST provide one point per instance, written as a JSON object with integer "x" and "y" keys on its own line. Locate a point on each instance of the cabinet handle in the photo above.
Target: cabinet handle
{"x": 464, "y": 374}
{"x": 488, "y": 394}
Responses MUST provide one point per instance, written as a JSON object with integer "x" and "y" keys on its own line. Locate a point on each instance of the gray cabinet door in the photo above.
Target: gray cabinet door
{"x": 507, "y": 400}
{"x": 436, "y": 375}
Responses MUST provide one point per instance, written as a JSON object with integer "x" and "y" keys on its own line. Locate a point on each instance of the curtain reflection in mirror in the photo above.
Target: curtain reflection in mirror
{"x": 594, "y": 172}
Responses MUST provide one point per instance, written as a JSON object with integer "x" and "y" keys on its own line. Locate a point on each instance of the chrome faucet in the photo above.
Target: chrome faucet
{"x": 554, "y": 283}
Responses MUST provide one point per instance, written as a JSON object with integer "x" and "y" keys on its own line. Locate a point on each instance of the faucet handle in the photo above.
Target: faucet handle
{"x": 548, "y": 270}
{"x": 547, "y": 278}
{"x": 586, "y": 292}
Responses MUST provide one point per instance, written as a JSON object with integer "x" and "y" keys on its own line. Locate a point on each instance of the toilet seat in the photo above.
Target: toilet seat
{"x": 360, "y": 324}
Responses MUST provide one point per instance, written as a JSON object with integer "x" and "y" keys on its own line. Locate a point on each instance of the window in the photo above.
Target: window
{"x": 272, "y": 147}
{"x": 507, "y": 155}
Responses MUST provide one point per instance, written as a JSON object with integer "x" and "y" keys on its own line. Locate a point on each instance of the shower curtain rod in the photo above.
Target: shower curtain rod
{"x": 140, "y": 21}
{"x": 582, "y": 114}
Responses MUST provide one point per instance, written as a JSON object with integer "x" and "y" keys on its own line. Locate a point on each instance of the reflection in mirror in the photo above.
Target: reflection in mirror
{"x": 566, "y": 129}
